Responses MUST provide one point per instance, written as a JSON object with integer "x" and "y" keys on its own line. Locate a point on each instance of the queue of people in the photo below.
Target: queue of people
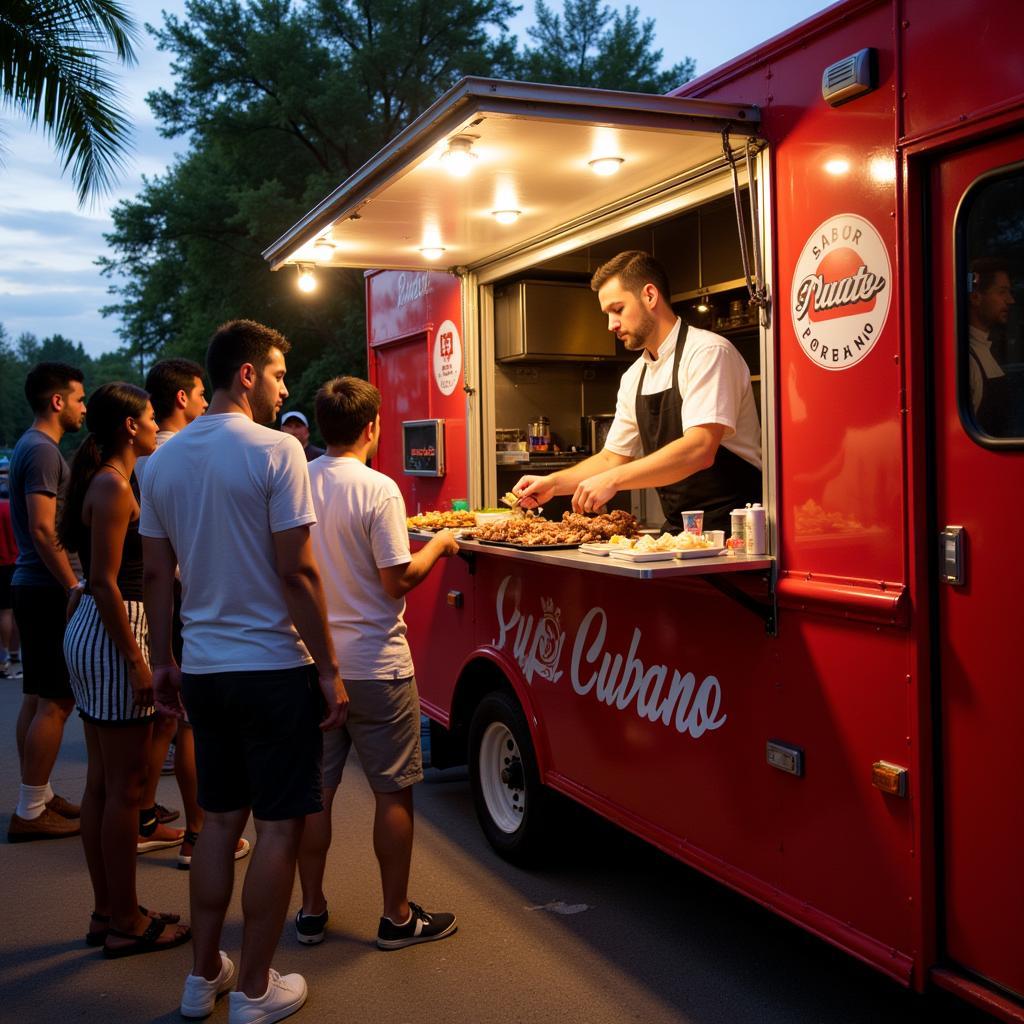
{"x": 224, "y": 589}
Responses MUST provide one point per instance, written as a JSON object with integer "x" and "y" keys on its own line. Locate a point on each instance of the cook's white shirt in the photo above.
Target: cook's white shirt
{"x": 714, "y": 383}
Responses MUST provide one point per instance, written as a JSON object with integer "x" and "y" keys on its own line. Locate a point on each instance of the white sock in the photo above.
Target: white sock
{"x": 31, "y": 802}
{"x": 49, "y": 792}
{"x": 401, "y": 924}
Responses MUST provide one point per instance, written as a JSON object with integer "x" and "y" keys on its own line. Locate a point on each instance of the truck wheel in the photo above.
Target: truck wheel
{"x": 511, "y": 804}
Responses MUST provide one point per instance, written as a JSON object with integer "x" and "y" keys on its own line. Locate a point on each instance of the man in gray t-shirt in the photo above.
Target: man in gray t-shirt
{"x": 43, "y": 579}
{"x": 37, "y": 467}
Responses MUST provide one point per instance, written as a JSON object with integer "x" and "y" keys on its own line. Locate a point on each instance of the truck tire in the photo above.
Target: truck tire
{"x": 512, "y": 806}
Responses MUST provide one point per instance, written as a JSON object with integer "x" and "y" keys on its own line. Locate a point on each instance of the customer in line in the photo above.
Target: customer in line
{"x": 178, "y": 395}
{"x": 106, "y": 647}
{"x": 361, "y": 543}
{"x": 42, "y": 582}
{"x": 227, "y": 500}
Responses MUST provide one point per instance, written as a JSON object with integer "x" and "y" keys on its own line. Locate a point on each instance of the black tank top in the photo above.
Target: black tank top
{"x": 129, "y": 574}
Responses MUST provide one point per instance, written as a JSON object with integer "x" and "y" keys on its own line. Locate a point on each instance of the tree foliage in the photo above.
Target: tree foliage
{"x": 54, "y": 69}
{"x": 589, "y": 44}
{"x": 19, "y": 355}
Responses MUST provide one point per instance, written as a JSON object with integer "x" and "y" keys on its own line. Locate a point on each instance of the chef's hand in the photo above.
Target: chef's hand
{"x": 534, "y": 490}
{"x": 594, "y": 493}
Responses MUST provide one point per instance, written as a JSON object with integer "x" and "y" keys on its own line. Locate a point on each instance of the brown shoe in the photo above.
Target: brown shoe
{"x": 65, "y": 808}
{"x": 49, "y": 825}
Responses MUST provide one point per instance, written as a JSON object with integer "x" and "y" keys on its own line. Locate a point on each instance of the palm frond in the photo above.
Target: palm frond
{"x": 51, "y": 69}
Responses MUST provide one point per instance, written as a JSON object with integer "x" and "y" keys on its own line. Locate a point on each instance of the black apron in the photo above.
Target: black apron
{"x": 994, "y": 413}
{"x": 730, "y": 483}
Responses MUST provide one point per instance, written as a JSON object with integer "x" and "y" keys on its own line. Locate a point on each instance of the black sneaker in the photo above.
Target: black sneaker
{"x": 421, "y": 927}
{"x": 309, "y": 928}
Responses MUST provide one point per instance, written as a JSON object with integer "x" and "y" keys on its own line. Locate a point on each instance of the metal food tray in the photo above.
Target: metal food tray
{"x": 528, "y": 547}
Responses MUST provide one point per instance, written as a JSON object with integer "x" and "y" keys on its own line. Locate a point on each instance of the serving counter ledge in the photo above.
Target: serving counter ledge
{"x": 608, "y": 566}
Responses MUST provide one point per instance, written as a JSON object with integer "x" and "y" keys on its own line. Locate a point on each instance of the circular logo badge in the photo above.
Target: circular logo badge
{"x": 447, "y": 357}
{"x": 841, "y": 291}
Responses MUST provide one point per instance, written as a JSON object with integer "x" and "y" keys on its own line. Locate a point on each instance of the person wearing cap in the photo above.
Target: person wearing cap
{"x": 295, "y": 423}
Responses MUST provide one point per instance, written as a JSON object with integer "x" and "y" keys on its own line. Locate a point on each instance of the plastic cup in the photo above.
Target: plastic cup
{"x": 693, "y": 521}
{"x": 717, "y": 538}
{"x": 460, "y": 505}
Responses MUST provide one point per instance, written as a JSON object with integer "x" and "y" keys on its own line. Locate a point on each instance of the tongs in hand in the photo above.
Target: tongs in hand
{"x": 514, "y": 501}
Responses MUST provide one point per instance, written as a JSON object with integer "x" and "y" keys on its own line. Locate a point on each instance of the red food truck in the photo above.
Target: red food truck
{"x": 830, "y": 728}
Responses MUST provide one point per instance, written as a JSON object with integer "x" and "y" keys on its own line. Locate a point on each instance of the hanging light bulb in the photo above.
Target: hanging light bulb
{"x": 307, "y": 279}
{"x": 606, "y": 165}
{"x": 506, "y": 216}
{"x": 458, "y": 157}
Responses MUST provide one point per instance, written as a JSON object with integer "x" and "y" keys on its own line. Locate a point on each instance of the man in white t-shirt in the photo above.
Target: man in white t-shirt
{"x": 685, "y": 418}
{"x": 361, "y": 543}
{"x": 228, "y": 501}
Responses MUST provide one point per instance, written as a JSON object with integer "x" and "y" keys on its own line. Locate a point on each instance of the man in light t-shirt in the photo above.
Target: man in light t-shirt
{"x": 361, "y": 543}
{"x": 685, "y": 418}
{"x": 228, "y": 501}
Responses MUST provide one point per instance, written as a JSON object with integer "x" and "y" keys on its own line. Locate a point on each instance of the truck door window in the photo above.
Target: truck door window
{"x": 990, "y": 301}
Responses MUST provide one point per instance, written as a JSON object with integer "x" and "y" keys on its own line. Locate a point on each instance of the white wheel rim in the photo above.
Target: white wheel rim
{"x": 501, "y": 777}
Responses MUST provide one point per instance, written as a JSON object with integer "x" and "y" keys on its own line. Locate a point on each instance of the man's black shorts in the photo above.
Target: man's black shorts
{"x": 41, "y": 614}
{"x": 258, "y": 741}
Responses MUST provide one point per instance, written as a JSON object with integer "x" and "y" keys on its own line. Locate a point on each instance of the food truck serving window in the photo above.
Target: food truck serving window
{"x": 990, "y": 297}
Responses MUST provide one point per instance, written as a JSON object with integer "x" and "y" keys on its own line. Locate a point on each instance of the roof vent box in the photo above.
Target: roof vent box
{"x": 850, "y": 77}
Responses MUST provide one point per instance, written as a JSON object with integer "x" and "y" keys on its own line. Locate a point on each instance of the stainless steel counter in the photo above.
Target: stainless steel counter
{"x": 574, "y": 559}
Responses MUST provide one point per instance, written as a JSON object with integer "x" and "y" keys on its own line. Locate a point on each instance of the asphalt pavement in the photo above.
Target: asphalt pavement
{"x": 611, "y": 932}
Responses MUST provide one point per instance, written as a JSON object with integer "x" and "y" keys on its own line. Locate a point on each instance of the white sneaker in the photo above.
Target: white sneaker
{"x": 283, "y": 997}
{"x": 200, "y": 995}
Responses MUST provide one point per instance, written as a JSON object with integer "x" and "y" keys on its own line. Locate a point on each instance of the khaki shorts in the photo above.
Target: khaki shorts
{"x": 384, "y": 726}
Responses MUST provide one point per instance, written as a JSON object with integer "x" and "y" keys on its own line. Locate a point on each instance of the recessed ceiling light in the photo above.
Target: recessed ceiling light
{"x": 506, "y": 216}
{"x": 458, "y": 157}
{"x": 323, "y": 251}
{"x": 837, "y": 166}
{"x": 606, "y": 165}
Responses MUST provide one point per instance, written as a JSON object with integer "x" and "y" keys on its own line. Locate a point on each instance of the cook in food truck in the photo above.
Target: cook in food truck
{"x": 828, "y": 726}
{"x": 691, "y": 432}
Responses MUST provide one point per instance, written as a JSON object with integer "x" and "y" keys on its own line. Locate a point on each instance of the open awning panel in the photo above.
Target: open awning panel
{"x": 528, "y": 152}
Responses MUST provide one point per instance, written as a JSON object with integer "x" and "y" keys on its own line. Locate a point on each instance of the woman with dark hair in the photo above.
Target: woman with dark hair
{"x": 107, "y": 650}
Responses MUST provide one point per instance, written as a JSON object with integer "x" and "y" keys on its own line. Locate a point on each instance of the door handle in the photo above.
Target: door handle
{"x": 951, "y": 556}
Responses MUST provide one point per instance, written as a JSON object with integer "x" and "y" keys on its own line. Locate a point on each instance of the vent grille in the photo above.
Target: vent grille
{"x": 841, "y": 74}
{"x": 849, "y": 78}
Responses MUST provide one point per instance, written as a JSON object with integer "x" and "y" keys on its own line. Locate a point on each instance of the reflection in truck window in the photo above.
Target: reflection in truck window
{"x": 991, "y": 235}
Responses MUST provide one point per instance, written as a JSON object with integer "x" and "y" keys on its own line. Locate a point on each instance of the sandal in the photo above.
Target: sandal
{"x": 161, "y": 838}
{"x": 191, "y": 838}
{"x": 98, "y": 936}
{"x": 147, "y": 942}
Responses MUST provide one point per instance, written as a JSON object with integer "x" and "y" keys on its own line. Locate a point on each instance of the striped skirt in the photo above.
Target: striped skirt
{"x": 99, "y": 675}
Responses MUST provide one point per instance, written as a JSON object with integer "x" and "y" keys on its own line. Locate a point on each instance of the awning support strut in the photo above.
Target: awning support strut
{"x": 756, "y": 287}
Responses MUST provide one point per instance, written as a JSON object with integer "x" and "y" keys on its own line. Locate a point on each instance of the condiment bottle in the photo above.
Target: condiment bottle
{"x": 754, "y": 533}
{"x": 737, "y": 530}
{"x": 540, "y": 434}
